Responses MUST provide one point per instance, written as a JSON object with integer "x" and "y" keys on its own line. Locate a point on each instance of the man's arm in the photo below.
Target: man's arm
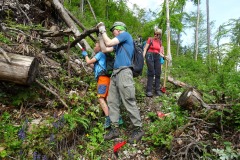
{"x": 103, "y": 46}
{"x": 109, "y": 42}
{"x": 106, "y": 43}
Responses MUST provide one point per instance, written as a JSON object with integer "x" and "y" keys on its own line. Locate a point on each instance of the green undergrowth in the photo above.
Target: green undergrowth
{"x": 78, "y": 132}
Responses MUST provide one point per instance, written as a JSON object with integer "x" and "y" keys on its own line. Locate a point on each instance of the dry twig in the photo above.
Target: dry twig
{"x": 5, "y": 55}
{"x": 54, "y": 93}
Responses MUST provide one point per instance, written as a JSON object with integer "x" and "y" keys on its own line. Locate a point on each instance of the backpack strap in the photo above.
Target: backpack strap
{"x": 150, "y": 44}
{"x": 128, "y": 54}
{"x": 101, "y": 66}
{"x": 103, "y": 72}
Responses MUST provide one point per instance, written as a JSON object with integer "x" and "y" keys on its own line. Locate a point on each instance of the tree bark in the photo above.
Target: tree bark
{"x": 80, "y": 24}
{"x": 70, "y": 23}
{"x": 208, "y": 28}
{"x": 196, "y": 33}
{"x": 177, "y": 82}
{"x": 21, "y": 70}
{"x": 191, "y": 99}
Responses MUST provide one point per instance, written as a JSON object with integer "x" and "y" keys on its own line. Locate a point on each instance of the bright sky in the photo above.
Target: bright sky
{"x": 220, "y": 10}
{"x": 152, "y": 4}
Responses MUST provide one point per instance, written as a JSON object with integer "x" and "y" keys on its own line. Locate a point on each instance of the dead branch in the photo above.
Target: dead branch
{"x": 70, "y": 23}
{"x": 80, "y": 62}
{"x": 191, "y": 150}
{"x": 54, "y": 93}
{"x": 177, "y": 82}
{"x": 5, "y": 29}
{"x": 56, "y": 33}
{"x": 80, "y": 24}
{"x": 179, "y": 131}
{"x": 72, "y": 44}
{"x": 19, "y": 7}
{"x": 5, "y": 55}
{"x": 68, "y": 57}
{"x": 201, "y": 120}
{"x": 219, "y": 106}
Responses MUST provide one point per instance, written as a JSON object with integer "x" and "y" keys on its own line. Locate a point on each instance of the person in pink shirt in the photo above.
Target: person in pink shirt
{"x": 153, "y": 51}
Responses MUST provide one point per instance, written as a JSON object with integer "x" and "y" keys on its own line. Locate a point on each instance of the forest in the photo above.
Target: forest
{"x": 48, "y": 102}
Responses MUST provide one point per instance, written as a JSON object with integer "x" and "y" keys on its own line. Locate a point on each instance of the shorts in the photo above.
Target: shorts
{"x": 103, "y": 86}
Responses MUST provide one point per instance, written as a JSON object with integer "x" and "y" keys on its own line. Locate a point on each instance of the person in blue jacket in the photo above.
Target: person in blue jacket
{"x": 98, "y": 62}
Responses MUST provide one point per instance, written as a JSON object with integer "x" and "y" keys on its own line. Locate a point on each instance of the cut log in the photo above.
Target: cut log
{"x": 191, "y": 99}
{"x": 21, "y": 70}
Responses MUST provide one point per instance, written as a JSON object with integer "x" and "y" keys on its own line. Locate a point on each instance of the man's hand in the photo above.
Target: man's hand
{"x": 101, "y": 27}
{"x": 100, "y": 24}
{"x": 84, "y": 54}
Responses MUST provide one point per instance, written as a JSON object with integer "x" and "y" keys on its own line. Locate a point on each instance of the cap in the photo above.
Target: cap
{"x": 123, "y": 26}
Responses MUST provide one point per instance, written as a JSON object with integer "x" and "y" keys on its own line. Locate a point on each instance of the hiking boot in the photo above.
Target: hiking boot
{"x": 113, "y": 133}
{"x": 136, "y": 135}
{"x": 107, "y": 123}
{"x": 149, "y": 94}
{"x": 159, "y": 93}
{"x": 120, "y": 120}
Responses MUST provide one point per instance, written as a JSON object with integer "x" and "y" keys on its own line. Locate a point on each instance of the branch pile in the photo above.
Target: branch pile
{"x": 23, "y": 35}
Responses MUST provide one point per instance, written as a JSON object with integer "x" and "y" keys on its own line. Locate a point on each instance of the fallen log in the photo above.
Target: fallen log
{"x": 177, "y": 82}
{"x": 20, "y": 70}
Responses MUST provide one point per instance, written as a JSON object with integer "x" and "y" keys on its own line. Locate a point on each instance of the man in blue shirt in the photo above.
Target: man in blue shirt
{"x": 122, "y": 89}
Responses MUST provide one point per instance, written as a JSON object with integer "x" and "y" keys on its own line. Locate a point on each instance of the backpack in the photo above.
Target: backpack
{"x": 137, "y": 60}
{"x": 110, "y": 58}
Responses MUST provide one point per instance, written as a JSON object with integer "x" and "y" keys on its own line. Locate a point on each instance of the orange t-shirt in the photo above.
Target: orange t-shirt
{"x": 155, "y": 46}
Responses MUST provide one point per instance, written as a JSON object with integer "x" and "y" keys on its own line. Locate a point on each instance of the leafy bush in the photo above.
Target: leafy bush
{"x": 228, "y": 153}
{"x": 160, "y": 131}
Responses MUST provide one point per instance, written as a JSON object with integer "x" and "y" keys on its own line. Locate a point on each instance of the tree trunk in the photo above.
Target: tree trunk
{"x": 82, "y": 6}
{"x": 92, "y": 11}
{"x": 191, "y": 99}
{"x": 208, "y": 28}
{"x": 179, "y": 35}
{"x": 196, "y": 36}
{"x": 107, "y": 8}
{"x": 70, "y": 23}
{"x": 169, "y": 57}
{"x": 21, "y": 69}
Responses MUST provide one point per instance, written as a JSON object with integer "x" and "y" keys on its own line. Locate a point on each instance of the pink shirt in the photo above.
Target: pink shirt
{"x": 155, "y": 46}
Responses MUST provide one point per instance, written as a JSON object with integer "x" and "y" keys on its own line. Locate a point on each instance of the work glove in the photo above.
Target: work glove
{"x": 100, "y": 36}
{"x": 101, "y": 27}
{"x": 84, "y": 54}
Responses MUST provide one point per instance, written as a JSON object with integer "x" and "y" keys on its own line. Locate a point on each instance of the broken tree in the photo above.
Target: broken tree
{"x": 191, "y": 99}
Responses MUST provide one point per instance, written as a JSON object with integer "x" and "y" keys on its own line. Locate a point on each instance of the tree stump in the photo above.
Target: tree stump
{"x": 21, "y": 69}
{"x": 191, "y": 99}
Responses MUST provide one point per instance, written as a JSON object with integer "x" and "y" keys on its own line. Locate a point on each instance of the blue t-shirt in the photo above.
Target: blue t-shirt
{"x": 122, "y": 58}
{"x": 100, "y": 64}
